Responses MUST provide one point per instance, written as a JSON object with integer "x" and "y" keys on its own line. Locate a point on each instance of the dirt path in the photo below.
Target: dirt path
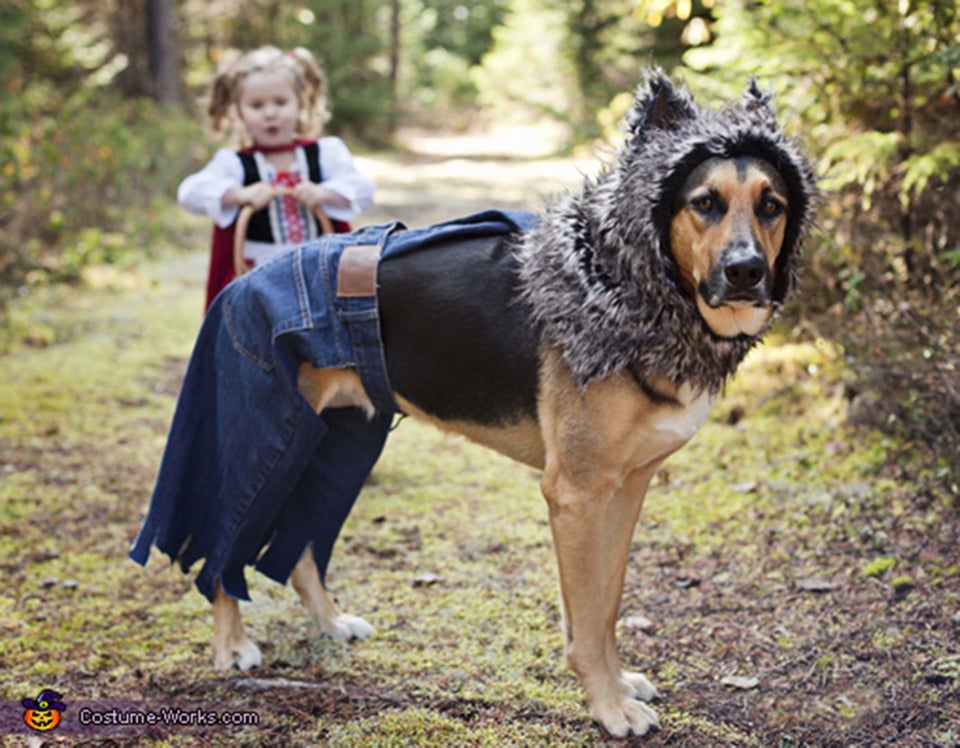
{"x": 444, "y": 177}
{"x": 786, "y": 587}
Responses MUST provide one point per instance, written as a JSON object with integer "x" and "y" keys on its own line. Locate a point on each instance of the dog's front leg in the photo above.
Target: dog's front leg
{"x": 592, "y": 518}
{"x": 625, "y": 511}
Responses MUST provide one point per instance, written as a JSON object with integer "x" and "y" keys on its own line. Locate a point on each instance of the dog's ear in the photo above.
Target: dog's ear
{"x": 759, "y": 103}
{"x": 659, "y": 105}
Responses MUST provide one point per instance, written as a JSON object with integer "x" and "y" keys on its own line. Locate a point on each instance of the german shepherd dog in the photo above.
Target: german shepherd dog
{"x": 591, "y": 348}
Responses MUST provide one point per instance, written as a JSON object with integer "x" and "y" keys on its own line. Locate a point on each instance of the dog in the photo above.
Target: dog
{"x": 590, "y": 347}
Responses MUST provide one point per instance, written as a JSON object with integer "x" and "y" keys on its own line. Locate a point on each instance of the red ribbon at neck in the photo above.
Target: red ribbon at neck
{"x": 277, "y": 148}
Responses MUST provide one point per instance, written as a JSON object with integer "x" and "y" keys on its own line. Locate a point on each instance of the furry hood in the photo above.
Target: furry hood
{"x": 598, "y": 272}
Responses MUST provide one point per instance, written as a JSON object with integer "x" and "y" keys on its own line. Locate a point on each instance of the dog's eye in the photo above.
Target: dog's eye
{"x": 704, "y": 204}
{"x": 770, "y": 207}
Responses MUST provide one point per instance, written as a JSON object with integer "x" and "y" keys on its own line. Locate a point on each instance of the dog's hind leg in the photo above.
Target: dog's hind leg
{"x": 327, "y": 617}
{"x": 231, "y": 646}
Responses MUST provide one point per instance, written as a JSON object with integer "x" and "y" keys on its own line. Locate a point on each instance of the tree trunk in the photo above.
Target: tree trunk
{"x": 129, "y": 40}
{"x": 161, "y": 42}
{"x": 906, "y": 129}
{"x": 394, "y": 62}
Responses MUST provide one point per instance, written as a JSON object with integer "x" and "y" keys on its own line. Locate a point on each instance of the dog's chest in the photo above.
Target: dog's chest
{"x": 673, "y": 424}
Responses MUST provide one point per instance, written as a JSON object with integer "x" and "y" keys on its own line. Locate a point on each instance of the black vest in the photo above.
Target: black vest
{"x": 259, "y": 227}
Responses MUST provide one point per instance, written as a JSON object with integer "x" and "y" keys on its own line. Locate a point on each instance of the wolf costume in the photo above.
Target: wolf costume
{"x": 606, "y": 249}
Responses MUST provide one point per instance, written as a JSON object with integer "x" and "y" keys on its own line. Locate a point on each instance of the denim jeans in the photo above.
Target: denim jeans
{"x": 251, "y": 475}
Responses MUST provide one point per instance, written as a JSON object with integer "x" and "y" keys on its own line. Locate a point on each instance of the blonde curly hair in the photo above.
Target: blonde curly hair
{"x": 309, "y": 84}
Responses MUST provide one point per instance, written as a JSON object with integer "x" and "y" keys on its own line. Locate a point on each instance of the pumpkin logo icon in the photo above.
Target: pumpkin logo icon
{"x": 43, "y": 712}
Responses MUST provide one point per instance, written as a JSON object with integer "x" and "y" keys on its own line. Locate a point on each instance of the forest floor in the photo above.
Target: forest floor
{"x": 791, "y": 583}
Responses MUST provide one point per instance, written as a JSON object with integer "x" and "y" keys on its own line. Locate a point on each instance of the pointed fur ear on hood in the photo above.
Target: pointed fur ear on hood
{"x": 759, "y": 103}
{"x": 659, "y": 105}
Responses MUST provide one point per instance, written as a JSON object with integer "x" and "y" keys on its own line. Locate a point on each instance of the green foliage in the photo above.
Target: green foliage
{"x": 79, "y": 174}
{"x": 462, "y": 29}
{"x": 865, "y": 159}
{"x": 920, "y": 170}
{"x": 568, "y": 60}
{"x": 351, "y": 42}
{"x": 14, "y": 32}
{"x": 442, "y": 43}
{"x": 523, "y": 74}
{"x": 610, "y": 43}
{"x": 79, "y": 165}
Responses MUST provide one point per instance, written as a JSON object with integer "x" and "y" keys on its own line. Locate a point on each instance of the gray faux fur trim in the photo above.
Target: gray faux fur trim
{"x": 598, "y": 272}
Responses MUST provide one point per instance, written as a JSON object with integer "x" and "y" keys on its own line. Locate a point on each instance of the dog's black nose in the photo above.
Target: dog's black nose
{"x": 745, "y": 273}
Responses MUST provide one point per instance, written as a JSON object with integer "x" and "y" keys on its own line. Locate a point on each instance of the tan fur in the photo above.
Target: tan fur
{"x": 519, "y": 441}
{"x": 332, "y": 388}
{"x": 598, "y": 450}
{"x": 730, "y": 321}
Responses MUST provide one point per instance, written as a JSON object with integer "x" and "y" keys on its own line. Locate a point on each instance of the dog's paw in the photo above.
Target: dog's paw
{"x": 244, "y": 655}
{"x": 626, "y": 718}
{"x": 636, "y": 686}
{"x": 344, "y": 628}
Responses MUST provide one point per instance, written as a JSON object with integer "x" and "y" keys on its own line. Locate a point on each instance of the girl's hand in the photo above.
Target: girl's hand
{"x": 257, "y": 195}
{"x": 313, "y": 195}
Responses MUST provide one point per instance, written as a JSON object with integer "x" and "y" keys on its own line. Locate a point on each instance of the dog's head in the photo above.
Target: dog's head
{"x": 730, "y": 199}
{"x": 726, "y": 233}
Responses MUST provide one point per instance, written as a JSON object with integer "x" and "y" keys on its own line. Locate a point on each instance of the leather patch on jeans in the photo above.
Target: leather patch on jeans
{"x": 357, "y": 273}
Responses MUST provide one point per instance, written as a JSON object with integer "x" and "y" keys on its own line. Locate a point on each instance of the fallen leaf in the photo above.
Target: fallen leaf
{"x": 814, "y": 584}
{"x": 738, "y": 681}
{"x": 426, "y": 580}
{"x": 259, "y": 684}
{"x": 637, "y": 623}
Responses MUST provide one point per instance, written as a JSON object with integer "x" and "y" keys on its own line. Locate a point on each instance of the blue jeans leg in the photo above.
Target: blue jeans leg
{"x": 325, "y": 493}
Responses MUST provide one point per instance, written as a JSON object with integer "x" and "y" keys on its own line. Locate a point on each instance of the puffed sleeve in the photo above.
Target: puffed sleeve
{"x": 201, "y": 193}
{"x": 341, "y": 176}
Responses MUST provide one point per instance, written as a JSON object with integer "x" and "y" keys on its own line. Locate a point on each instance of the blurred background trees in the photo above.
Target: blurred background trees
{"x": 101, "y": 115}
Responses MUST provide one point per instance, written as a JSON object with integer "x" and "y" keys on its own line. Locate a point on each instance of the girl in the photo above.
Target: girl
{"x": 276, "y": 100}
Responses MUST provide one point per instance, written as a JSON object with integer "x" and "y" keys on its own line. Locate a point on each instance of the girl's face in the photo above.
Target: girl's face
{"x": 269, "y": 107}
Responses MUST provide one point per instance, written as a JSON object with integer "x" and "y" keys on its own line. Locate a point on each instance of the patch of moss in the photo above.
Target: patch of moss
{"x": 879, "y": 566}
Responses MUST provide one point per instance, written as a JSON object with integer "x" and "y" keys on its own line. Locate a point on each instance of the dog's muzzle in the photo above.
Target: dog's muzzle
{"x": 740, "y": 277}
